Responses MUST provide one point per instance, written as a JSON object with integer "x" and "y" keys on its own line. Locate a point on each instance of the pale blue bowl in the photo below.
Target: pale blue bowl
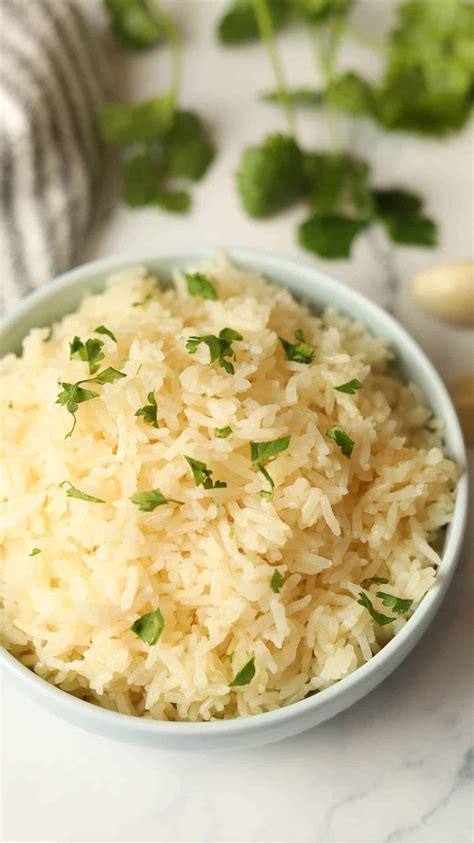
{"x": 62, "y": 296}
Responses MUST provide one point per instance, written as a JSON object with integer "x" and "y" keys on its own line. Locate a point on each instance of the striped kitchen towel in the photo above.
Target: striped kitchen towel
{"x": 52, "y": 81}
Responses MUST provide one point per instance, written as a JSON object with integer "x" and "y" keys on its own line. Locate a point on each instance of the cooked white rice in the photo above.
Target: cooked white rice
{"x": 68, "y": 610}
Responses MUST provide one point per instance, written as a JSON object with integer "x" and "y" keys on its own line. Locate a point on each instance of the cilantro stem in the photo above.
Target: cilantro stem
{"x": 174, "y": 40}
{"x": 325, "y": 46}
{"x": 265, "y": 26}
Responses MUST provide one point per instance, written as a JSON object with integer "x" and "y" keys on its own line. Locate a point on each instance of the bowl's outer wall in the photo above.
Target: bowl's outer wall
{"x": 63, "y": 296}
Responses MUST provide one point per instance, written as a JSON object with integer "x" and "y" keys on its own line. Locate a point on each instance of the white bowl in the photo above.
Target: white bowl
{"x": 62, "y": 296}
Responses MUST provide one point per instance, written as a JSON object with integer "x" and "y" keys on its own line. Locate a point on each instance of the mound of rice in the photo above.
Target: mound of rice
{"x": 207, "y": 564}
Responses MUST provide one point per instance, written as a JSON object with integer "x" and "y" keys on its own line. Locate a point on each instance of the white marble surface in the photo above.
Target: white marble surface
{"x": 398, "y": 765}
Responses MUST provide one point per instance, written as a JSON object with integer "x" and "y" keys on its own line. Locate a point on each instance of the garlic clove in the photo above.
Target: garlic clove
{"x": 446, "y": 291}
{"x": 461, "y": 390}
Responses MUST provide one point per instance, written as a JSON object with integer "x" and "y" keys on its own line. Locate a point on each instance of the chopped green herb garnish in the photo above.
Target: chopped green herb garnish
{"x": 382, "y": 620}
{"x": 148, "y": 501}
{"x": 369, "y": 580}
{"x": 73, "y": 394}
{"x": 149, "y": 627}
{"x": 203, "y": 475}
{"x": 300, "y": 352}
{"x": 149, "y": 411}
{"x": 35, "y": 551}
{"x": 72, "y": 492}
{"x": 276, "y": 581}
{"x": 222, "y": 432}
{"x": 10, "y": 405}
{"x": 89, "y": 351}
{"x": 350, "y": 388}
{"x": 147, "y": 298}
{"x": 398, "y": 604}
{"x": 344, "y": 441}
{"x": 101, "y": 329}
{"x": 199, "y": 285}
{"x": 219, "y": 347}
{"x": 263, "y": 451}
{"x": 244, "y": 675}
{"x": 267, "y": 495}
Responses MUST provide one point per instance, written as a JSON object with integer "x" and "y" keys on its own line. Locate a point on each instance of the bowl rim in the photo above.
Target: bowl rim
{"x": 430, "y": 603}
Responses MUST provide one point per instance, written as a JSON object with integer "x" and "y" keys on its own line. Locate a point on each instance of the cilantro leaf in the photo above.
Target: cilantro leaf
{"x": 330, "y": 236}
{"x": 70, "y": 396}
{"x": 149, "y": 627}
{"x": 369, "y": 580}
{"x": 352, "y": 94}
{"x": 73, "y": 394}
{"x": 143, "y": 185}
{"x": 199, "y": 285}
{"x": 239, "y": 23}
{"x": 148, "y": 501}
{"x": 222, "y": 432}
{"x": 401, "y": 213}
{"x": 101, "y": 329}
{"x": 108, "y": 375}
{"x": 89, "y": 351}
{"x": 427, "y": 83}
{"x": 125, "y": 125}
{"x": 261, "y": 452}
{"x": 271, "y": 176}
{"x": 378, "y": 617}
{"x": 244, "y": 675}
{"x": 398, "y": 604}
{"x": 187, "y": 149}
{"x": 220, "y": 348}
{"x": 203, "y": 475}
{"x": 174, "y": 201}
{"x": 345, "y": 443}
{"x": 395, "y": 200}
{"x": 350, "y": 388}
{"x": 299, "y": 97}
{"x": 339, "y": 185}
{"x": 276, "y": 581}
{"x": 320, "y": 11}
{"x": 140, "y": 180}
{"x": 300, "y": 352}
{"x": 134, "y": 23}
{"x": 72, "y": 492}
{"x": 149, "y": 411}
{"x": 35, "y": 551}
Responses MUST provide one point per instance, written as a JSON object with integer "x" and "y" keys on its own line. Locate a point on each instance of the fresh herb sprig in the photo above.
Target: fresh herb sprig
{"x": 428, "y": 44}
{"x": 220, "y": 348}
{"x": 198, "y": 284}
{"x": 73, "y": 394}
{"x": 74, "y": 492}
{"x": 149, "y": 411}
{"x": 203, "y": 475}
{"x": 299, "y": 352}
{"x": 148, "y": 501}
{"x": 261, "y": 453}
{"x": 160, "y": 143}
{"x": 341, "y": 438}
